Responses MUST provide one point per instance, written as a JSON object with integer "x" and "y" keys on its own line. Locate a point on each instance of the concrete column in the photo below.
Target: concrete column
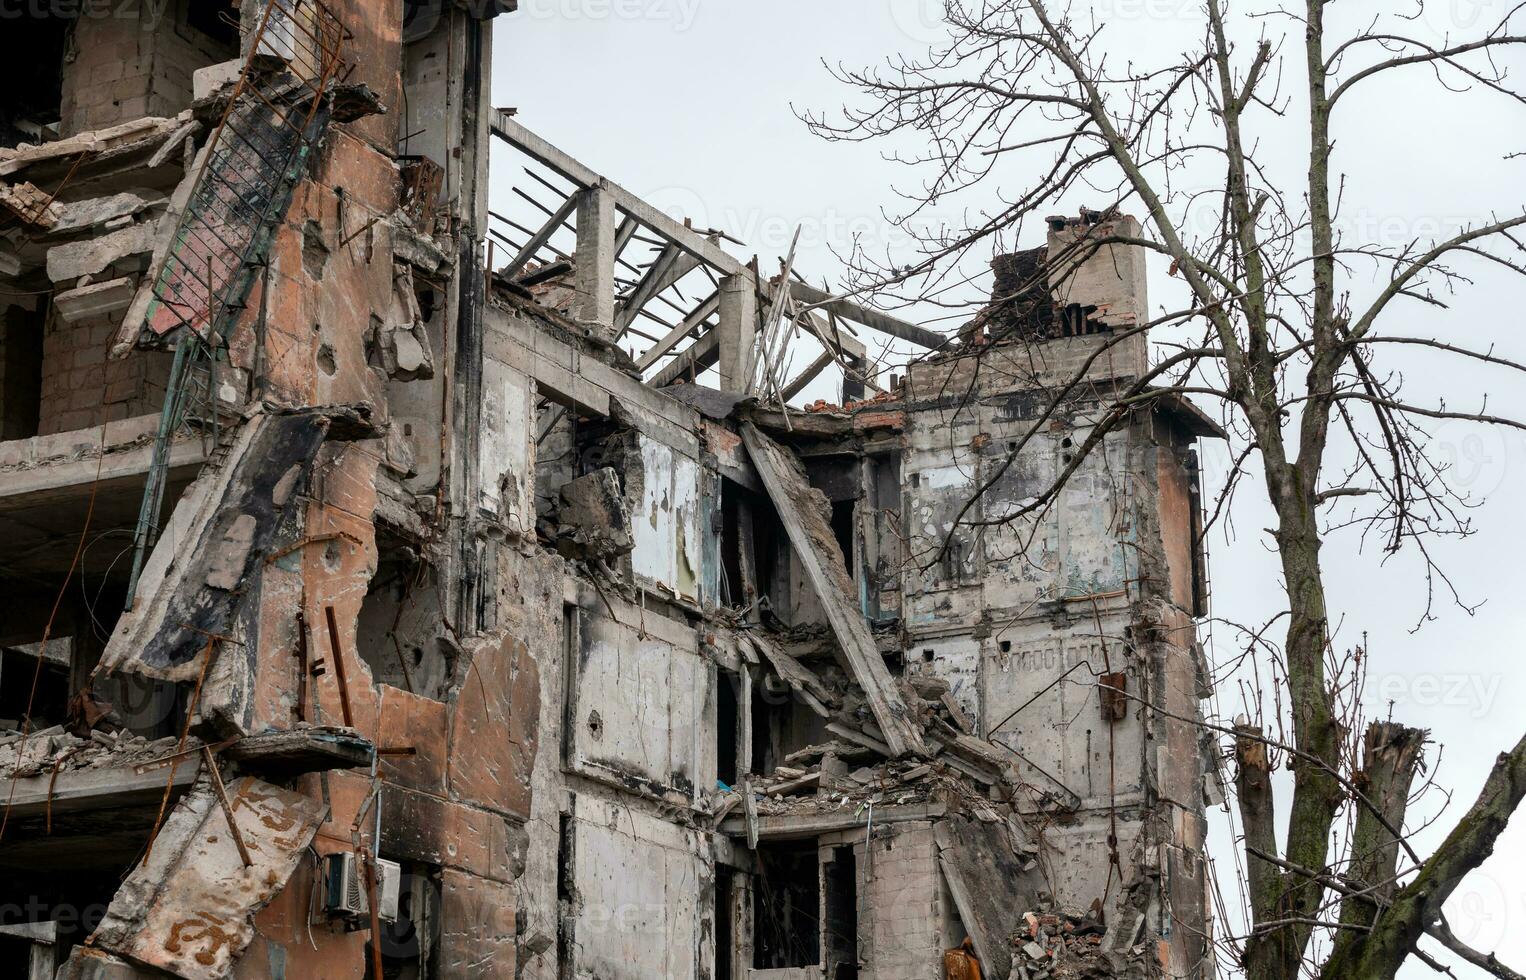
{"x": 594, "y": 304}
{"x": 738, "y": 331}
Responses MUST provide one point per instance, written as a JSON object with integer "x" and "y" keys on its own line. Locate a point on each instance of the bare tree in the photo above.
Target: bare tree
{"x": 1028, "y": 106}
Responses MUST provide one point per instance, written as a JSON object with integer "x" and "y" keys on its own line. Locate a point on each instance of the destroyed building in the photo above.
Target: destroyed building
{"x": 397, "y": 588}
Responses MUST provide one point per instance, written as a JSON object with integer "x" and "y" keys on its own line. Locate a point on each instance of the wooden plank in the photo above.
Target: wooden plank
{"x": 798, "y": 383}
{"x": 694, "y": 320}
{"x": 811, "y": 536}
{"x": 541, "y": 237}
{"x": 883, "y": 322}
{"x": 671, "y": 265}
{"x": 802, "y": 681}
{"x": 697, "y": 358}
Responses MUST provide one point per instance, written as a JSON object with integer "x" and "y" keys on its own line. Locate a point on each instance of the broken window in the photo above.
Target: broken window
{"x": 725, "y": 891}
{"x": 781, "y": 724}
{"x": 840, "y": 900}
{"x": 727, "y": 726}
{"x": 787, "y": 906}
{"x": 39, "y": 680}
{"x": 217, "y": 21}
{"x": 398, "y": 631}
{"x": 31, "y": 62}
{"x": 20, "y": 372}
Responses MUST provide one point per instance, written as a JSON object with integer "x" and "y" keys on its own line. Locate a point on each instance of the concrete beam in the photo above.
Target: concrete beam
{"x": 101, "y": 788}
{"x": 695, "y": 359}
{"x": 685, "y": 327}
{"x": 586, "y": 384}
{"x": 816, "y": 547}
{"x": 738, "y": 332}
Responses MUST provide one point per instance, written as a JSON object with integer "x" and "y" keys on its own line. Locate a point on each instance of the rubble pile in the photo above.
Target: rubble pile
{"x": 55, "y": 750}
{"x": 1067, "y": 944}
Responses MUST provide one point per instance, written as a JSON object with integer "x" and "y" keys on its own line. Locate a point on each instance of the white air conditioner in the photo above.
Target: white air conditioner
{"x": 344, "y": 887}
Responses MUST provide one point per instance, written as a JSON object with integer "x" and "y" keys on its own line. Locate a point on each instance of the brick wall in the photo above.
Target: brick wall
{"x": 82, "y": 387}
{"x": 900, "y": 912}
{"x": 126, "y": 65}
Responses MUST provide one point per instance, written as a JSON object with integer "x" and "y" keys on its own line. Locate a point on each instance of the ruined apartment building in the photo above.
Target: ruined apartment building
{"x": 399, "y": 588}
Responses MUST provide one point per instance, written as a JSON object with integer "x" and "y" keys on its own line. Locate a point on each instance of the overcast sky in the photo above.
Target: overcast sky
{"x": 688, "y": 103}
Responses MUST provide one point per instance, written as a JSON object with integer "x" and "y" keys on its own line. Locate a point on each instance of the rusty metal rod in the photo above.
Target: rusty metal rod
{"x": 222, "y": 797}
{"x": 344, "y": 686}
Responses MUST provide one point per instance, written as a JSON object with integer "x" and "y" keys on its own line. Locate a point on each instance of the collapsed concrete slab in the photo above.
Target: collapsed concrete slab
{"x": 188, "y": 909}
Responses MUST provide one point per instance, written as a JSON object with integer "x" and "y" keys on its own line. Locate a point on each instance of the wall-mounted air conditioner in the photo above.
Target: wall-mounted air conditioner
{"x": 344, "y": 887}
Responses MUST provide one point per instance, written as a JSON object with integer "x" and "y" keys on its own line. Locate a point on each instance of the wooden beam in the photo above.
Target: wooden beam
{"x": 816, "y": 547}
{"x": 691, "y": 322}
{"x": 539, "y": 239}
{"x": 696, "y": 358}
{"x": 797, "y": 385}
{"x": 671, "y": 265}
{"x": 515, "y": 134}
{"x": 874, "y": 319}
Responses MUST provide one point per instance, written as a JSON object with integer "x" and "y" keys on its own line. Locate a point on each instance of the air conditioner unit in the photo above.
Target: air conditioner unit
{"x": 344, "y": 887}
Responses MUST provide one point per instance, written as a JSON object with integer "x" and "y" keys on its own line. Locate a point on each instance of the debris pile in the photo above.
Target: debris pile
{"x": 55, "y": 750}
{"x": 1068, "y": 944}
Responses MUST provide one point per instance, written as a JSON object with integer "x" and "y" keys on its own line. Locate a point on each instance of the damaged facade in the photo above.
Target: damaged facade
{"x": 396, "y": 588}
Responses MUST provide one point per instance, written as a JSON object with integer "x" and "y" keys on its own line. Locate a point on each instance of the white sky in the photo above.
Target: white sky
{"x": 687, "y": 103}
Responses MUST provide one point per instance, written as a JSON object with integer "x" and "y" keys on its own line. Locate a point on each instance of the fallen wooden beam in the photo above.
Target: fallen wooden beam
{"x": 810, "y": 534}
{"x": 874, "y": 319}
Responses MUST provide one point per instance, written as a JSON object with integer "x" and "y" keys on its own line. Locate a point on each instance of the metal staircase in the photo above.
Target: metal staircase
{"x": 275, "y": 118}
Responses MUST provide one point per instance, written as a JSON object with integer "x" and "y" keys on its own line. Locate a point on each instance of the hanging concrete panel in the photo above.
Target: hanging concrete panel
{"x": 669, "y": 542}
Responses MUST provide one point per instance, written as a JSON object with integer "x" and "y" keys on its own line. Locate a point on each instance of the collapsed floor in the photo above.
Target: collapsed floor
{"x": 384, "y": 605}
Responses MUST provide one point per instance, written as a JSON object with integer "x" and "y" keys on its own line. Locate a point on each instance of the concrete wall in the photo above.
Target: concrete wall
{"x": 639, "y": 887}
{"x": 1022, "y": 617}
{"x": 643, "y": 706}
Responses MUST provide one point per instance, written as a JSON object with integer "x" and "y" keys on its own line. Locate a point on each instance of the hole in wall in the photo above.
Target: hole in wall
{"x": 315, "y": 252}
{"x": 326, "y": 362}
